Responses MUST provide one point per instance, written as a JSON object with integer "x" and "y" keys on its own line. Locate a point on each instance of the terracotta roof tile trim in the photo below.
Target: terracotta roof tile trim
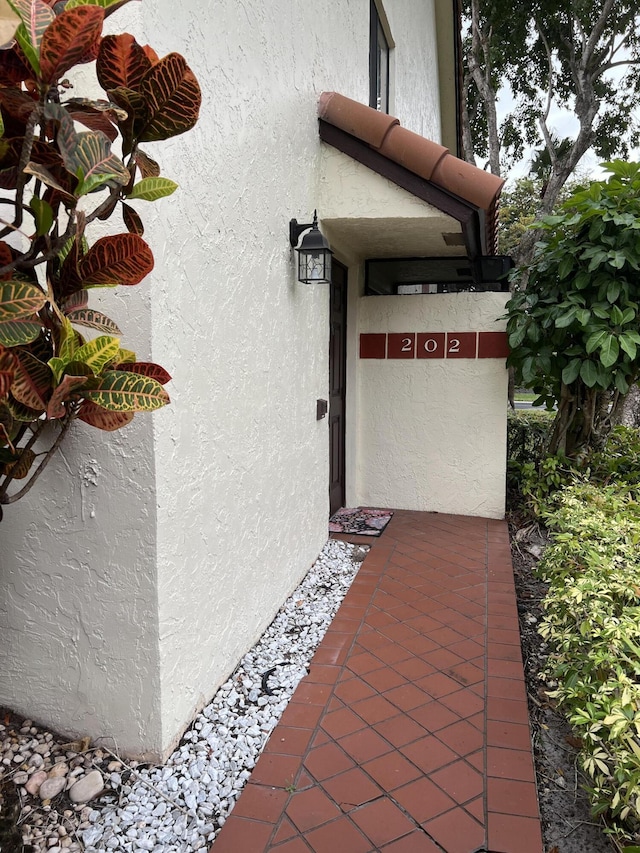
{"x": 425, "y": 158}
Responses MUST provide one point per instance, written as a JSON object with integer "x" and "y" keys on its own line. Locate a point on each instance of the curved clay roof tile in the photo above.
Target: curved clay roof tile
{"x": 357, "y": 119}
{"x": 412, "y": 151}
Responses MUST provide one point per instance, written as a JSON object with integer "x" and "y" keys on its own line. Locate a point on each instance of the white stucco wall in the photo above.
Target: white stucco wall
{"x": 145, "y": 563}
{"x": 431, "y": 433}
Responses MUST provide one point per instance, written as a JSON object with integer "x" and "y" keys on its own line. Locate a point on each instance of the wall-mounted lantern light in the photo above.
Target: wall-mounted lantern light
{"x": 314, "y": 254}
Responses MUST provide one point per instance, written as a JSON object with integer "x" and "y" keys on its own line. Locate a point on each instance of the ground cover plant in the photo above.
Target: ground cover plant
{"x": 591, "y": 611}
{"x": 67, "y": 163}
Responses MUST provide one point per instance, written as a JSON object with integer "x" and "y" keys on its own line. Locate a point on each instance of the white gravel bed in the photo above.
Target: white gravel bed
{"x": 180, "y": 806}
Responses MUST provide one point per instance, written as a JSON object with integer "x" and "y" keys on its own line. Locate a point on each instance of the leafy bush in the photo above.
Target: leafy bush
{"x": 60, "y": 181}
{"x": 534, "y": 477}
{"x": 592, "y": 623}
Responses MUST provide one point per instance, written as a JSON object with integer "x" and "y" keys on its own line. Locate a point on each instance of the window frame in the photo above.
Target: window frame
{"x": 380, "y": 44}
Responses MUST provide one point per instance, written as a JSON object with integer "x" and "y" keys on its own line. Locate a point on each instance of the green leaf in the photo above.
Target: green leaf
{"x": 595, "y": 340}
{"x": 96, "y": 354}
{"x": 120, "y": 391}
{"x": 629, "y": 346}
{"x": 589, "y": 373}
{"x": 91, "y": 160}
{"x": 583, "y": 316}
{"x": 571, "y": 371}
{"x": 616, "y": 315}
{"x": 565, "y": 266}
{"x": 43, "y": 215}
{"x": 68, "y": 341}
{"x": 567, "y": 318}
{"x": 609, "y": 351}
{"x": 628, "y": 315}
{"x": 620, "y": 382}
{"x": 151, "y": 189}
{"x": 613, "y": 291}
{"x": 14, "y": 333}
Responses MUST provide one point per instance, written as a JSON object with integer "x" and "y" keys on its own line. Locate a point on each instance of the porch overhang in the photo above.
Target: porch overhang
{"x": 445, "y": 206}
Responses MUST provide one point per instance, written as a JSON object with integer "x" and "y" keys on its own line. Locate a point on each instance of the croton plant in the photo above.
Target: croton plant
{"x": 65, "y": 162}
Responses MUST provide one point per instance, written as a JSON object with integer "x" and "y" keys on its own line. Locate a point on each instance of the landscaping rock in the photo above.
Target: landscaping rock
{"x": 87, "y": 787}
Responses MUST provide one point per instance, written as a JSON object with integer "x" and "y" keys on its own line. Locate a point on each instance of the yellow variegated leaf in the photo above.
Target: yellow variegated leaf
{"x": 96, "y": 354}
{"x": 151, "y": 189}
{"x": 120, "y": 391}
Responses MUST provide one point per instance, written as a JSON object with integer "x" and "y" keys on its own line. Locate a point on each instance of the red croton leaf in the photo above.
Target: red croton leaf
{"x": 122, "y": 62}
{"x": 69, "y": 39}
{"x": 5, "y": 258}
{"x": 132, "y": 220}
{"x": 8, "y": 363}
{"x": 32, "y": 382}
{"x": 146, "y": 368}
{"x": 62, "y": 394}
{"x": 172, "y": 96}
{"x": 121, "y": 259}
{"x": 103, "y": 419}
{"x": 13, "y": 67}
{"x": 94, "y": 120}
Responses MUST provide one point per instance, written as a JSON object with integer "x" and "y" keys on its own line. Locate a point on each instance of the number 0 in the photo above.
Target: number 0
{"x": 431, "y": 345}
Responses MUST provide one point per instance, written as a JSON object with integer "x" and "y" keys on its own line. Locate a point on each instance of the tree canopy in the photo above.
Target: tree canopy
{"x": 551, "y": 54}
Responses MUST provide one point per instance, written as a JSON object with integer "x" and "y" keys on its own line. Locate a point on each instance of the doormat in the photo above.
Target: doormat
{"x": 361, "y": 521}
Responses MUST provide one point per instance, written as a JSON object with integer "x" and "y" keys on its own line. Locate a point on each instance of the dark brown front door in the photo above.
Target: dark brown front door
{"x": 337, "y": 384}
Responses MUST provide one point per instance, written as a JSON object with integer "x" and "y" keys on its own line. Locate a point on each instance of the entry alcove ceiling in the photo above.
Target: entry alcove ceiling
{"x": 388, "y": 192}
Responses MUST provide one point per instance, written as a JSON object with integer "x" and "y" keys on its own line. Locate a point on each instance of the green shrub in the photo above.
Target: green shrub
{"x": 534, "y": 477}
{"x": 592, "y": 624}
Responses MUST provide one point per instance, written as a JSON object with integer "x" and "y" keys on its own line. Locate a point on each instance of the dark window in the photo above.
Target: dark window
{"x": 378, "y": 63}
{"x": 408, "y": 276}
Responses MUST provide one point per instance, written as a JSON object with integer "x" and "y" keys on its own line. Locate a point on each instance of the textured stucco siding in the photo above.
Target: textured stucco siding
{"x": 128, "y": 595}
{"x": 431, "y": 433}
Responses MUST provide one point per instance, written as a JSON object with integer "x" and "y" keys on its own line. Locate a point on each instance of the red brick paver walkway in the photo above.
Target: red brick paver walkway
{"x": 410, "y": 734}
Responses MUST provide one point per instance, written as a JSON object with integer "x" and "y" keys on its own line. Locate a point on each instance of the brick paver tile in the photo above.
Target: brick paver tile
{"x": 462, "y": 737}
{"x": 423, "y": 800}
{"x": 375, "y": 709}
{"x": 261, "y": 803}
{"x": 354, "y": 689}
{"x": 429, "y": 754}
{"x": 311, "y": 808}
{"x": 511, "y": 735}
{"x": 295, "y": 845}
{"x": 415, "y": 842}
{"x": 457, "y": 832}
{"x": 352, "y": 789}
{"x": 382, "y": 821}
{"x": 339, "y": 836}
{"x": 510, "y": 763}
{"x": 276, "y": 770}
{"x": 289, "y": 741}
{"x": 241, "y": 834}
{"x": 460, "y": 781}
{"x": 434, "y": 716}
{"x": 364, "y": 745}
{"x": 400, "y": 730}
{"x": 391, "y": 770}
{"x": 326, "y": 761}
{"x": 511, "y": 797}
{"x": 342, "y": 722}
{"x": 508, "y": 833}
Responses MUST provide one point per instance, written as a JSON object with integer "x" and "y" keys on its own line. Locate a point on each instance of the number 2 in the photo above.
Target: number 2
{"x": 454, "y": 345}
{"x": 406, "y": 345}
